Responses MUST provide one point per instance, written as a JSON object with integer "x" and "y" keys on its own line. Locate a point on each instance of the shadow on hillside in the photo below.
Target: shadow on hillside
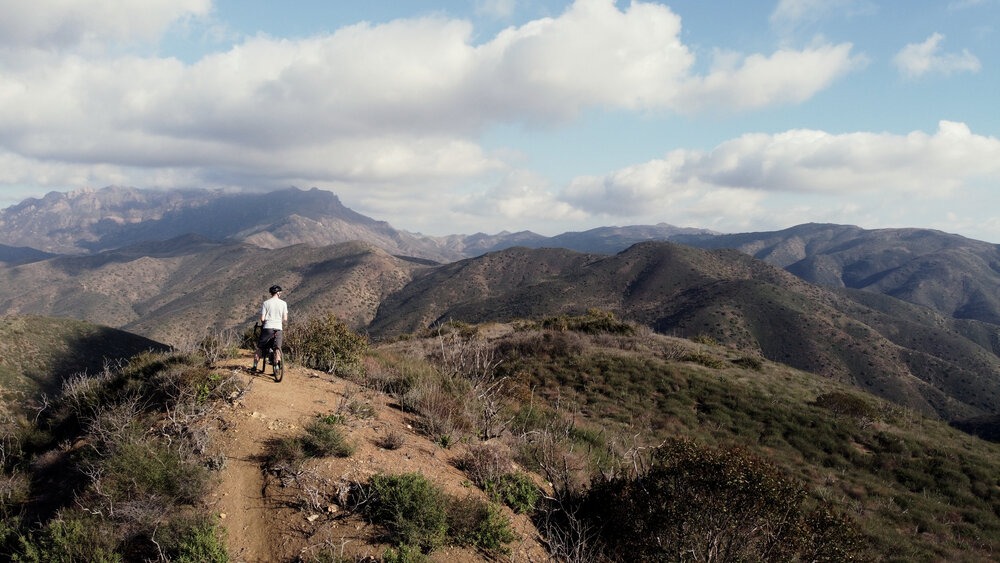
{"x": 90, "y": 353}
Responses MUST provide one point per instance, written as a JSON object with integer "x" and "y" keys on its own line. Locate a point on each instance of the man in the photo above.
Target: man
{"x": 273, "y": 315}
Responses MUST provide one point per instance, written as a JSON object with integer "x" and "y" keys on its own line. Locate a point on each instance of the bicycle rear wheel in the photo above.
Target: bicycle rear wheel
{"x": 278, "y": 367}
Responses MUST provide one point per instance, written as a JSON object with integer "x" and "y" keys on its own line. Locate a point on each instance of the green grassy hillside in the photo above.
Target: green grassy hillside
{"x": 588, "y": 400}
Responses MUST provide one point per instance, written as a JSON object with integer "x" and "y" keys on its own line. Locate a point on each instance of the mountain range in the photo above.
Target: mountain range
{"x": 908, "y": 314}
{"x": 89, "y": 221}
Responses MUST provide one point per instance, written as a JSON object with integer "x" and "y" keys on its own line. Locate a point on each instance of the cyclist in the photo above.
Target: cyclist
{"x": 273, "y": 315}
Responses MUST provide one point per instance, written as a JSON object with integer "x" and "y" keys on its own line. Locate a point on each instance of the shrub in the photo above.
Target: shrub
{"x": 701, "y": 503}
{"x": 325, "y": 343}
{"x": 704, "y": 359}
{"x": 484, "y": 463}
{"x": 417, "y": 514}
{"x": 595, "y": 321}
{"x": 70, "y": 537}
{"x": 403, "y": 554}
{"x": 479, "y": 524}
{"x": 150, "y": 469}
{"x": 749, "y": 362}
{"x": 516, "y": 490}
{"x": 285, "y": 451}
{"x": 846, "y": 404}
{"x": 391, "y": 441}
{"x": 324, "y": 438}
{"x": 411, "y": 509}
{"x": 219, "y": 344}
{"x": 194, "y": 540}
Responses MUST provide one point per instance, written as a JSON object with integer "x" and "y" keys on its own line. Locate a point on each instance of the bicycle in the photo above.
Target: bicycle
{"x": 277, "y": 368}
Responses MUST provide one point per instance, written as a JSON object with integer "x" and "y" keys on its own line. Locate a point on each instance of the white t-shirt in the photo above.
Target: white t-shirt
{"x": 274, "y": 312}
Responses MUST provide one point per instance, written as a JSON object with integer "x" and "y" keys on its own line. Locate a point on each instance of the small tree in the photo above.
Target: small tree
{"x": 325, "y": 343}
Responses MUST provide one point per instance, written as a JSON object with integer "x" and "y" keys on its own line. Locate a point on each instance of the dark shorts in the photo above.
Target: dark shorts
{"x": 266, "y": 336}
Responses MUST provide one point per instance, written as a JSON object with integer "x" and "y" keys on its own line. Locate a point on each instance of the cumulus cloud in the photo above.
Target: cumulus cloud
{"x": 398, "y": 104}
{"x": 407, "y": 76}
{"x": 758, "y": 81}
{"x": 64, "y": 24}
{"x": 746, "y": 175}
{"x": 917, "y": 59}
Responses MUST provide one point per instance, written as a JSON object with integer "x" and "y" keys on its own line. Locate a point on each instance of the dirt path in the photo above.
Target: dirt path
{"x": 261, "y": 525}
{"x": 268, "y": 410}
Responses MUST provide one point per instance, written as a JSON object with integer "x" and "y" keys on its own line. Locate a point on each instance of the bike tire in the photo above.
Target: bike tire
{"x": 279, "y": 371}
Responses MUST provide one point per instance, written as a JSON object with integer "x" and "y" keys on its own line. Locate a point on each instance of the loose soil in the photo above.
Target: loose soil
{"x": 268, "y": 519}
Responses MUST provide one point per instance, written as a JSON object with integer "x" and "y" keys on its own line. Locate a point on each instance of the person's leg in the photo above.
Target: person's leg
{"x": 277, "y": 345}
{"x": 261, "y": 352}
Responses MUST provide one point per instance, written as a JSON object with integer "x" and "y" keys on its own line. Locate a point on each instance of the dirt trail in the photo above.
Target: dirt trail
{"x": 268, "y": 410}
{"x": 254, "y": 510}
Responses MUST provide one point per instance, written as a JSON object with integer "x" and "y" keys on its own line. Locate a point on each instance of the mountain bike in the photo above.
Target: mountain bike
{"x": 277, "y": 367}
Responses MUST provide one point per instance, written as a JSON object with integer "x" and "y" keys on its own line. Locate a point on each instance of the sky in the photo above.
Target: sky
{"x": 456, "y": 117}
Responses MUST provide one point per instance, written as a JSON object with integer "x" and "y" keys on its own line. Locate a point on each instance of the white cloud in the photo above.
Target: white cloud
{"x": 757, "y": 81}
{"x": 61, "y": 24}
{"x": 759, "y": 175}
{"x": 366, "y": 103}
{"x": 522, "y": 195}
{"x": 917, "y": 59}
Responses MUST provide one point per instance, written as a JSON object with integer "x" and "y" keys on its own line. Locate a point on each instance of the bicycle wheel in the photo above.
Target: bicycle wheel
{"x": 278, "y": 368}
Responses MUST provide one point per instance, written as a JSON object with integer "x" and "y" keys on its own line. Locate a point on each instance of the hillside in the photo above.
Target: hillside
{"x": 953, "y": 275}
{"x": 38, "y": 353}
{"x": 917, "y": 359}
{"x": 181, "y": 290}
{"x": 177, "y": 291}
{"x": 576, "y": 407}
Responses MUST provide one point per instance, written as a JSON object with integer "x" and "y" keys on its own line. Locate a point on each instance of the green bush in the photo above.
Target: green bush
{"x": 150, "y": 469}
{"x": 325, "y": 438}
{"x": 71, "y": 537}
{"x": 195, "y": 540}
{"x": 703, "y": 503}
{"x": 325, "y": 343}
{"x": 412, "y": 510}
{"x": 704, "y": 359}
{"x": 749, "y": 362}
{"x": 417, "y": 514}
{"x": 403, "y": 554}
{"x": 596, "y": 321}
{"x": 516, "y": 490}
{"x": 476, "y": 523}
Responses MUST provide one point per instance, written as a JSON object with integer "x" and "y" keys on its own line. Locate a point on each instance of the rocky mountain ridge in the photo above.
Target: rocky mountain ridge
{"x": 88, "y": 221}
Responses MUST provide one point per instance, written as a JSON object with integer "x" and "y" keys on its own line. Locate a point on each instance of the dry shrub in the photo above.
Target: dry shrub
{"x": 393, "y": 440}
{"x": 485, "y": 463}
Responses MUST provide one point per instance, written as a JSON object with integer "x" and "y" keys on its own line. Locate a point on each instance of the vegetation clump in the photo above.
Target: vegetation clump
{"x": 595, "y": 321}
{"x": 129, "y": 486}
{"x": 416, "y": 514}
{"x": 324, "y": 436}
{"x": 490, "y": 468}
{"x": 325, "y": 343}
{"x": 712, "y": 504}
